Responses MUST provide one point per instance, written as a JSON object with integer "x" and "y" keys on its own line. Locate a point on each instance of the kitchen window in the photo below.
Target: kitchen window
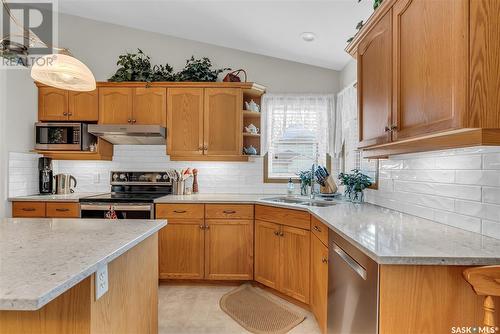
{"x": 298, "y": 132}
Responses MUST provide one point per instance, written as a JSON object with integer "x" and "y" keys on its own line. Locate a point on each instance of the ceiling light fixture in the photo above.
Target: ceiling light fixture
{"x": 59, "y": 70}
{"x": 308, "y": 36}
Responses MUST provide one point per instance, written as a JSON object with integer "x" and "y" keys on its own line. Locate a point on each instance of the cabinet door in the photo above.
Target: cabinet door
{"x": 83, "y": 106}
{"x": 150, "y": 106}
{"x": 52, "y": 104}
{"x": 115, "y": 105}
{"x": 185, "y": 121}
{"x": 229, "y": 249}
{"x": 319, "y": 281}
{"x": 267, "y": 253}
{"x": 180, "y": 249}
{"x": 375, "y": 84}
{"x": 431, "y": 61}
{"x": 294, "y": 263}
{"x": 223, "y": 128}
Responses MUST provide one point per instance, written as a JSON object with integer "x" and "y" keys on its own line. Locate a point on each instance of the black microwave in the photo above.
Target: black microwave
{"x": 63, "y": 136}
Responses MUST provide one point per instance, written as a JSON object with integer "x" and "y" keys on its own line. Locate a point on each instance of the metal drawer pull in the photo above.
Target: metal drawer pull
{"x": 317, "y": 228}
{"x": 29, "y": 209}
{"x": 180, "y": 211}
{"x": 350, "y": 261}
{"x": 62, "y": 209}
{"x": 229, "y": 211}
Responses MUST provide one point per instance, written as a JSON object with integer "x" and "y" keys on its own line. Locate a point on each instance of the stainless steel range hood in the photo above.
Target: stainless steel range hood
{"x": 129, "y": 134}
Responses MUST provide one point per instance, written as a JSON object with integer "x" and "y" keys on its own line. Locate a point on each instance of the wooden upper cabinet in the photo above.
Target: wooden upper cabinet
{"x": 229, "y": 249}
{"x": 185, "y": 121}
{"x": 150, "y": 106}
{"x": 223, "y": 125}
{"x": 83, "y": 106}
{"x": 115, "y": 105}
{"x": 52, "y": 104}
{"x": 375, "y": 83}
{"x": 267, "y": 253}
{"x": 431, "y": 61}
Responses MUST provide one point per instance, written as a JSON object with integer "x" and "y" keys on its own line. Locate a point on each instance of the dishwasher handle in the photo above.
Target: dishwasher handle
{"x": 355, "y": 266}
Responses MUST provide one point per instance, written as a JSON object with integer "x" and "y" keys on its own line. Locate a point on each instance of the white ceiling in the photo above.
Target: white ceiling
{"x": 271, "y": 28}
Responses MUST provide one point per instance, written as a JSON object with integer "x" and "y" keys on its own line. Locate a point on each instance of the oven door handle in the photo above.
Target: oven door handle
{"x": 116, "y": 207}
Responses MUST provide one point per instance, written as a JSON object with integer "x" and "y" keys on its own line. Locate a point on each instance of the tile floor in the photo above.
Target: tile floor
{"x": 194, "y": 309}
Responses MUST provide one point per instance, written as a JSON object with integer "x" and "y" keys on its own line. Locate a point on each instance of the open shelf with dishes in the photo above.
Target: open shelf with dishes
{"x": 252, "y": 122}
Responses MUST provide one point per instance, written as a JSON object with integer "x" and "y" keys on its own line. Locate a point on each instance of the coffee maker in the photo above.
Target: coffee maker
{"x": 45, "y": 178}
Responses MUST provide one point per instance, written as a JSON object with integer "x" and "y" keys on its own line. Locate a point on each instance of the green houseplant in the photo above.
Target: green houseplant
{"x": 354, "y": 184}
{"x": 137, "y": 67}
{"x": 305, "y": 177}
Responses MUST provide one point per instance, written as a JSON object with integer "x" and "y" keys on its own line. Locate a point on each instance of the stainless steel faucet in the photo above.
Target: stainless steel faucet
{"x": 313, "y": 181}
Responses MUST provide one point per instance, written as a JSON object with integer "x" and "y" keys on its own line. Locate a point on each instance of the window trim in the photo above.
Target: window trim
{"x": 295, "y": 179}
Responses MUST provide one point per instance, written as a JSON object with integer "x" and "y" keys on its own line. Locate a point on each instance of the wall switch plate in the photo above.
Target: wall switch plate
{"x": 101, "y": 281}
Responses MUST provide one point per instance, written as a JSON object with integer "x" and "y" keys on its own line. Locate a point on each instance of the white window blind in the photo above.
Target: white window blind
{"x": 297, "y": 132}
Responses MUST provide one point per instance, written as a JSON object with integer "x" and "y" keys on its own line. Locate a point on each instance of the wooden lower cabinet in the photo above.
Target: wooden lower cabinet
{"x": 181, "y": 249}
{"x": 45, "y": 210}
{"x": 282, "y": 258}
{"x": 267, "y": 253}
{"x": 195, "y": 248}
{"x": 294, "y": 262}
{"x": 319, "y": 281}
{"x": 229, "y": 249}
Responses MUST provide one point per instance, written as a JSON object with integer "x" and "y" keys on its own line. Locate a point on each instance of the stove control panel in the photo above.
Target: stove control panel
{"x": 139, "y": 178}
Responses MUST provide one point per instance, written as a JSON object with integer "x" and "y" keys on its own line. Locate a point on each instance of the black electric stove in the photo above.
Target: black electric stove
{"x": 132, "y": 196}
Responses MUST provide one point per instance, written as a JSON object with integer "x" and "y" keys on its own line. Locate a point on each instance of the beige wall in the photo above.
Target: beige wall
{"x": 348, "y": 75}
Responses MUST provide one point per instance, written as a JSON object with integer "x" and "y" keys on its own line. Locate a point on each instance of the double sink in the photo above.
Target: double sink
{"x": 300, "y": 201}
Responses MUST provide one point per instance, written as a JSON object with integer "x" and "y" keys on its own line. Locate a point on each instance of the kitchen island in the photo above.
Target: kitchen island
{"x": 48, "y": 280}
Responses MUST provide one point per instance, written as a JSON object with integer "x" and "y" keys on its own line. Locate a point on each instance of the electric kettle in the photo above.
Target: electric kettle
{"x": 63, "y": 184}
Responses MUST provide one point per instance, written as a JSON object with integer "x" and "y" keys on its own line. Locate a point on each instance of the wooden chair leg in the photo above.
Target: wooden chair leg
{"x": 489, "y": 311}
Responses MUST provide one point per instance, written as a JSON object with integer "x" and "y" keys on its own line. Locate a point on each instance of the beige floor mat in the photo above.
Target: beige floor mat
{"x": 259, "y": 312}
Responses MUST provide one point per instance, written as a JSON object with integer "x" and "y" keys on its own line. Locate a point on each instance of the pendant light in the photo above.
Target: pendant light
{"x": 63, "y": 71}
{"x": 60, "y": 70}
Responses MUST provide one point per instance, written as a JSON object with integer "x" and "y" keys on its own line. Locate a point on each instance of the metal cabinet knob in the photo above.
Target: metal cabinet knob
{"x": 276, "y": 233}
{"x": 317, "y": 228}
{"x": 324, "y": 260}
{"x": 130, "y": 121}
{"x": 202, "y": 227}
{"x": 65, "y": 113}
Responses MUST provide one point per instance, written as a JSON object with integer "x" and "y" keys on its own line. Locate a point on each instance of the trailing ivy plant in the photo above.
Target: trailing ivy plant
{"x": 199, "y": 70}
{"x": 133, "y": 67}
{"x": 137, "y": 67}
{"x": 376, "y": 4}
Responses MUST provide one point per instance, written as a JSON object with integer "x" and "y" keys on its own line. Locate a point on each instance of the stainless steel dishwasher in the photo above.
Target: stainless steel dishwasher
{"x": 352, "y": 289}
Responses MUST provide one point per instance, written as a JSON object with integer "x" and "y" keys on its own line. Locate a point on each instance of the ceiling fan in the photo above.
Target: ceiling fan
{"x": 60, "y": 70}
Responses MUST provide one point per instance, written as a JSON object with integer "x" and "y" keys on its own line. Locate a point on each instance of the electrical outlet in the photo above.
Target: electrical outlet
{"x": 101, "y": 281}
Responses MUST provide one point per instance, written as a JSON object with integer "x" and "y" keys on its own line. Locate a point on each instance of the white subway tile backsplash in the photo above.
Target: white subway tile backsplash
{"x": 459, "y": 187}
{"x": 491, "y": 161}
{"x": 479, "y": 177}
{"x": 491, "y": 228}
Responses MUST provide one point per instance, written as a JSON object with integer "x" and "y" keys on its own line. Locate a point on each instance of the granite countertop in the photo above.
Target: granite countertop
{"x": 74, "y": 197}
{"x": 42, "y": 258}
{"x": 387, "y": 236}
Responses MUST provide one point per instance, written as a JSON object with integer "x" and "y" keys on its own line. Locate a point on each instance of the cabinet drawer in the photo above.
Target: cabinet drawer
{"x": 191, "y": 211}
{"x": 294, "y": 218}
{"x": 320, "y": 230}
{"x": 28, "y": 209}
{"x": 229, "y": 211}
{"x": 63, "y": 210}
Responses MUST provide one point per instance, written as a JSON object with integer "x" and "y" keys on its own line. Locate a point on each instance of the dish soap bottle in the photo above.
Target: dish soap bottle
{"x": 290, "y": 187}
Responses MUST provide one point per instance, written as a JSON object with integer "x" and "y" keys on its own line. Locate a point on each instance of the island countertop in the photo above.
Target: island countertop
{"x": 387, "y": 236}
{"x": 42, "y": 258}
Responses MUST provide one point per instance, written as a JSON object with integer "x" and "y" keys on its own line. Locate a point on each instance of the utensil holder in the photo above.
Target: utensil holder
{"x": 178, "y": 187}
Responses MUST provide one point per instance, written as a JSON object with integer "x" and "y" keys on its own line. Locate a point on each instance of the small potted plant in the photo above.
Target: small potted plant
{"x": 354, "y": 184}
{"x": 305, "y": 182}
